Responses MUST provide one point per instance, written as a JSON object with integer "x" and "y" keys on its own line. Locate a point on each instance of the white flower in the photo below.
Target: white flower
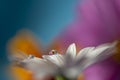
{"x": 69, "y": 64}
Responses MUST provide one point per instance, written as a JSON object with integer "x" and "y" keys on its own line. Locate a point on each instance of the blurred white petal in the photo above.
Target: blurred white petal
{"x": 39, "y": 66}
{"x": 72, "y": 72}
{"x": 57, "y": 59}
{"x": 97, "y": 54}
{"x": 71, "y": 51}
{"x": 82, "y": 53}
{"x": 104, "y": 49}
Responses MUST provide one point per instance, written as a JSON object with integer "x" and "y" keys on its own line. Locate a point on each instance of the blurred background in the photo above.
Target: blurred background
{"x": 45, "y": 18}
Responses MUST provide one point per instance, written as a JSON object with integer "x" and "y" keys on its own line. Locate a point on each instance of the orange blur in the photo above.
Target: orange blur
{"x": 21, "y": 74}
{"x": 24, "y": 42}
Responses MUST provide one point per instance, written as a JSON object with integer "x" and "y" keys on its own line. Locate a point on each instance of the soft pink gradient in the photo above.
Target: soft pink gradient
{"x": 96, "y": 22}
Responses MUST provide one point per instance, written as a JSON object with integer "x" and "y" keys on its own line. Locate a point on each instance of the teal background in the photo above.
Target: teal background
{"x": 46, "y": 18}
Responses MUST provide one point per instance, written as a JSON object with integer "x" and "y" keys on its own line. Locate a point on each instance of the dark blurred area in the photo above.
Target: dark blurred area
{"x": 12, "y": 18}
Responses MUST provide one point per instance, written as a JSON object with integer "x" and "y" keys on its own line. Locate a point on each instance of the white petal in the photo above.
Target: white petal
{"x": 57, "y": 59}
{"x": 104, "y": 49}
{"x": 101, "y": 52}
{"x": 71, "y": 51}
{"x": 82, "y": 53}
{"x": 72, "y": 72}
{"x": 39, "y": 66}
{"x": 94, "y": 55}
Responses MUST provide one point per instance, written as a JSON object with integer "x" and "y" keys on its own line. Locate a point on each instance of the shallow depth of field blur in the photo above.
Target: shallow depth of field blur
{"x": 43, "y": 18}
{"x": 38, "y": 26}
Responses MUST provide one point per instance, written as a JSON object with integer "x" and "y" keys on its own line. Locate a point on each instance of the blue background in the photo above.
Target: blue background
{"x": 46, "y": 18}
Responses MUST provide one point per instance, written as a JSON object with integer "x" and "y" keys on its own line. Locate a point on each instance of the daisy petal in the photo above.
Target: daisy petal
{"x": 101, "y": 52}
{"x": 72, "y": 72}
{"x": 104, "y": 49}
{"x": 93, "y": 55}
{"x": 57, "y": 59}
{"x": 83, "y": 52}
{"x": 39, "y": 66}
{"x": 71, "y": 51}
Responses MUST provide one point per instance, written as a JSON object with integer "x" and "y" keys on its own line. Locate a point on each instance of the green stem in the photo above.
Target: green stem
{"x": 61, "y": 77}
